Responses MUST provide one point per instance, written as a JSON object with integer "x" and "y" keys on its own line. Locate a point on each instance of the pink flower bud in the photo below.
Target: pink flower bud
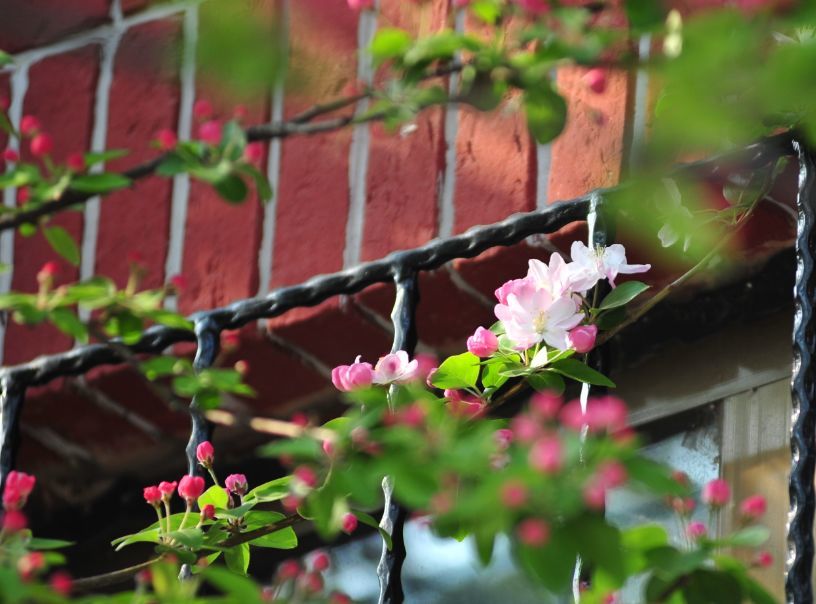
{"x": 513, "y": 494}
{"x": 253, "y": 152}
{"x": 603, "y": 414}
{"x": 594, "y": 495}
{"x": 178, "y": 282}
{"x": 75, "y": 162}
{"x": 582, "y": 338}
{"x": 339, "y": 598}
{"x": 683, "y": 506}
{"x": 210, "y": 132}
{"x": 30, "y": 564}
{"x": 311, "y": 583}
{"x": 349, "y": 523}
{"x": 328, "y": 448}
{"x": 716, "y": 493}
{"x": 29, "y": 125}
{"x": 546, "y": 404}
{"x": 358, "y": 5}
{"x": 42, "y": 144}
{"x": 14, "y": 521}
{"x": 61, "y": 583}
{"x": 482, "y": 343}
{"x": 190, "y": 488}
{"x": 534, "y": 7}
{"x": 595, "y": 80}
{"x": 546, "y": 454}
{"x": 135, "y": 257}
{"x": 525, "y": 429}
{"x": 425, "y": 364}
{"x": 208, "y": 512}
{"x": 23, "y": 195}
{"x": 202, "y": 109}
{"x": 237, "y": 483}
{"x": 753, "y": 507}
{"x": 230, "y": 340}
{"x": 47, "y": 272}
{"x": 166, "y": 139}
{"x": 291, "y": 503}
{"x": 533, "y": 532}
{"x": 240, "y": 112}
{"x": 503, "y": 437}
{"x": 696, "y": 529}
{"x": 321, "y": 561}
{"x": 351, "y": 377}
{"x": 18, "y": 487}
{"x": 288, "y": 570}
{"x": 611, "y": 474}
{"x": 763, "y": 559}
{"x": 167, "y": 489}
{"x": 205, "y": 453}
{"x": 152, "y": 495}
{"x": 242, "y": 367}
{"x": 11, "y": 155}
{"x": 306, "y": 475}
{"x": 300, "y": 419}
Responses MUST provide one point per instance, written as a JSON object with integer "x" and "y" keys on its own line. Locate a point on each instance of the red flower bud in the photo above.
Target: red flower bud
{"x": 230, "y": 340}
{"x": 167, "y": 489}
{"x": 237, "y": 483}
{"x": 716, "y": 493}
{"x": 533, "y": 532}
{"x": 61, "y": 583}
{"x": 202, "y": 109}
{"x": 306, "y": 475}
{"x": 18, "y": 487}
{"x": 29, "y": 125}
{"x": 14, "y": 521}
{"x": 166, "y": 139}
{"x": 178, "y": 282}
{"x": 190, "y": 488}
{"x": 75, "y": 162}
{"x": 30, "y": 564}
{"x": 11, "y": 155}
{"x": 253, "y": 152}
{"x": 210, "y": 132}
{"x": 321, "y": 561}
{"x": 152, "y": 495}
{"x": 349, "y": 523}
{"x": 41, "y": 144}
{"x": 753, "y": 507}
{"x": 339, "y": 598}
{"x": 205, "y": 453}
{"x": 763, "y": 559}
{"x": 288, "y": 569}
{"x": 208, "y": 512}
{"x": 240, "y": 112}
{"x": 514, "y": 494}
{"x": 23, "y": 195}
{"x": 595, "y": 80}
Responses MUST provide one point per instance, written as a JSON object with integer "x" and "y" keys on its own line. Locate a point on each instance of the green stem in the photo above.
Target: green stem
{"x": 186, "y": 515}
{"x": 213, "y": 476}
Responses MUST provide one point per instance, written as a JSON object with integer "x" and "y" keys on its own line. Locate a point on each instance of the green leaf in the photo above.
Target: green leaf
{"x": 302, "y": 448}
{"x": 240, "y": 588}
{"x": 261, "y": 182}
{"x": 553, "y": 564}
{"x": 546, "y": 113}
{"x": 68, "y": 323}
{"x": 601, "y": 544}
{"x": 750, "y": 536}
{"x": 670, "y": 563}
{"x": 169, "y": 318}
{"x": 706, "y": 585}
{"x": 62, "y": 243}
{"x": 578, "y": 371}
{"x": 282, "y": 539}
{"x": 654, "y": 476}
{"x": 97, "y": 157}
{"x": 99, "y": 183}
{"x": 545, "y": 381}
{"x": 644, "y": 14}
{"x": 237, "y": 558}
{"x": 37, "y": 543}
{"x": 191, "y": 537}
{"x": 459, "y": 371}
{"x": 215, "y": 496}
{"x": 388, "y": 43}
{"x": 5, "y": 58}
{"x": 484, "y": 546}
{"x": 644, "y": 537}
{"x": 369, "y": 520}
{"x": 273, "y": 490}
{"x": 623, "y": 294}
{"x": 232, "y": 188}
{"x": 171, "y": 165}
{"x": 609, "y": 319}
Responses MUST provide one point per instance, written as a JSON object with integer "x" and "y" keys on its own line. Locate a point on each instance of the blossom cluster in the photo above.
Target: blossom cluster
{"x": 296, "y": 582}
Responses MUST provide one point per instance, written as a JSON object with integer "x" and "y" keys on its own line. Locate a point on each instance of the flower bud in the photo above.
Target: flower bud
{"x": 178, "y": 282}
{"x": 42, "y": 144}
{"x": 546, "y": 455}
{"x": 339, "y": 598}
{"x": 75, "y": 162}
{"x": 253, "y": 152}
{"x": 237, "y": 483}
{"x": 696, "y": 529}
{"x": 202, "y": 109}
{"x": 763, "y": 559}
{"x": 358, "y": 5}
{"x": 18, "y": 487}
{"x": 208, "y": 512}
{"x": 29, "y": 125}
{"x": 61, "y": 583}
{"x": 533, "y": 532}
{"x": 582, "y": 338}
{"x": 11, "y": 155}
{"x": 716, "y": 493}
{"x": 288, "y": 569}
{"x": 753, "y": 507}
{"x": 190, "y": 488}
{"x": 595, "y": 80}
{"x": 152, "y": 495}
{"x": 14, "y": 521}
{"x": 482, "y": 343}
{"x": 513, "y": 494}
{"x": 321, "y": 561}
{"x": 166, "y": 139}
{"x": 210, "y": 132}
{"x": 30, "y": 564}
{"x": 306, "y": 475}
{"x": 205, "y": 453}
{"x": 167, "y": 489}
{"x": 349, "y": 523}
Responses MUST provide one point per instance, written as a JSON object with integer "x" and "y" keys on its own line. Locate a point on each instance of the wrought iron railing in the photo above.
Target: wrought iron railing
{"x": 402, "y": 269}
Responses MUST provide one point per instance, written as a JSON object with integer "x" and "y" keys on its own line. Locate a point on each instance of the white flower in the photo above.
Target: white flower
{"x": 535, "y": 315}
{"x": 395, "y": 367}
{"x": 556, "y": 277}
{"x": 591, "y": 265}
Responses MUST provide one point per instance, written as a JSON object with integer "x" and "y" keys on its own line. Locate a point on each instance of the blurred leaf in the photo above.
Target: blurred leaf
{"x": 546, "y": 113}
{"x": 237, "y": 558}
{"x": 68, "y": 323}
{"x": 99, "y": 183}
{"x": 241, "y": 589}
{"x": 63, "y": 243}
{"x": 232, "y": 188}
{"x": 645, "y": 14}
{"x": 97, "y": 157}
{"x": 389, "y": 43}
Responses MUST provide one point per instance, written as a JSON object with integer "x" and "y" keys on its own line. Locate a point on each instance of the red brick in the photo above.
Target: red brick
{"x": 312, "y": 207}
{"x": 143, "y": 99}
{"x": 61, "y": 94}
{"x": 404, "y": 171}
{"x": 27, "y": 23}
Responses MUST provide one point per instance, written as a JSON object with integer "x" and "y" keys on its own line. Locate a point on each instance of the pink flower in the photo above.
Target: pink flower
{"x": 205, "y": 453}
{"x": 75, "y": 162}
{"x": 166, "y": 139}
{"x": 546, "y": 454}
{"x": 351, "y": 377}
{"x": 237, "y": 483}
{"x": 513, "y": 494}
{"x": 683, "y": 506}
{"x": 321, "y": 561}
{"x": 533, "y": 315}
{"x": 29, "y": 125}
{"x": 395, "y": 367}
{"x": 696, "y": 529}
{"x": 582, "y": 338}
{"x": 716, "y": 493}
{"x": 545, "y": 404}
{"x": 14, "y": 521}
{"x": 208, "y": 512}
{"x": 41, "y": 144}
{"x": 349, "y": 523}
{"x": 482, "y": 343}
{"x": 11, "y": 155}
{"x": 288, "y": 569}
{"x": 167, "y": 489}
{"x": 591, "y": 265}
{"x": 190, "y": 488}
{"x": 210, "y": 132}
{"x": 763, "y": 559}
{"x": 753, "y": 507}
{"x": 358, "y": 5}
{"x": 306, "y": 475}
{"x": 61, "y": 583}
{"x": 152, "y": 495}
{"x": 534, "y": 7}
{"x": 525, "y": 429}
{"x": 595, "y": 80}
{"x": 426, "y": 363}
{"x": 253, "y": 152}
{"x": 23, "y": 195}
{"x": 606, "y": 413}
{"x": 18, "y": 487}
{"x": 611, "y": 474}
{"x": 202, "y": 109}
{"x": 555, "y": 277}
{"x": 519, "y": 287}
{"x": 533, "y": 532}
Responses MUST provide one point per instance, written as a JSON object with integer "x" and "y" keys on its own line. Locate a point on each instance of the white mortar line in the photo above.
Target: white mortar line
{"x": 462, "y": 285}
{"x": 267, "y": 250}
{"x": 359, "y": 150}
{"x": 447, "y": 207}
{"x": 97, "y": 35}
{"x": 301, "y": 355}
{"x": 90, "y": 233}
{"x": 181, "y": 182}
{"x": 19, "y": 87}
{"x": 641, "y": 109}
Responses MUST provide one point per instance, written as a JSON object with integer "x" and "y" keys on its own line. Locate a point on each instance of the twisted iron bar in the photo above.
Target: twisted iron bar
{"x": 799, "y": 572}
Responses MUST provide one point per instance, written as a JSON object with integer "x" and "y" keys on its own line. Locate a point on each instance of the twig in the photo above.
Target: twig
{"x": 283, "y": 523}
{"x": 112, "y": 578}
{"x": 267, "y": 425}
